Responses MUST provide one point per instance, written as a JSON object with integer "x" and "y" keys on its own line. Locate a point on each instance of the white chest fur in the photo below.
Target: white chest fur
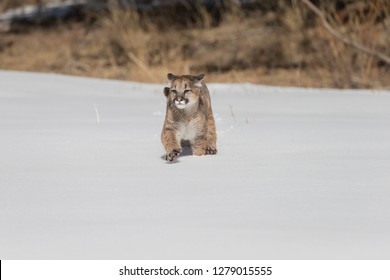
{"x": 187, "y": 131}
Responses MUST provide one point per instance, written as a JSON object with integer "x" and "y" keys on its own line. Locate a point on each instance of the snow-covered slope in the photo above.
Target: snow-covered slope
{"x": 300, "y": 173}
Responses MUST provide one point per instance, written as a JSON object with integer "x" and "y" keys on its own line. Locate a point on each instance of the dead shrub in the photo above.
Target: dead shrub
{"x": 363, "y": 22}
{"x": 126, "y": 37}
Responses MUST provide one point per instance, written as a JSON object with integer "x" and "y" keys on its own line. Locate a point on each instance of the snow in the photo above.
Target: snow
{"x": 299, "y": 174}
{"x": 55, "y": 9}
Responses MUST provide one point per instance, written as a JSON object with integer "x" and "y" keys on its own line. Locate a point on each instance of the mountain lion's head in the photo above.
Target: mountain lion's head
{"x": 183, "y": 91}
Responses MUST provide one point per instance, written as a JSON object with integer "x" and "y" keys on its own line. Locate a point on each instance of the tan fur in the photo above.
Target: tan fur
{"x": 194, "y": 123}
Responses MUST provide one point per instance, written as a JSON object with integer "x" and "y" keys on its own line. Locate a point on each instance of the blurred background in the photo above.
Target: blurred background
{"x": 338, "y": 43}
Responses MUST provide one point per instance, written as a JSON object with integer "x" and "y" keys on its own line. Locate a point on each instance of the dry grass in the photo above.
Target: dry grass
{"x": 9, "y": 4}
{"x": 366, "y": 23}
{"x": 285, "y": 46}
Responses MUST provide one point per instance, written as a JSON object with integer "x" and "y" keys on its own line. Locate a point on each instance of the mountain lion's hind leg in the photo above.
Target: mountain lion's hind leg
{"x": 199, "y": 146}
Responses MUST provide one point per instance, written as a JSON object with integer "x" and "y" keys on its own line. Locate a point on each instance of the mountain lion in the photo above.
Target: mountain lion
{"x": 189, "y": 118}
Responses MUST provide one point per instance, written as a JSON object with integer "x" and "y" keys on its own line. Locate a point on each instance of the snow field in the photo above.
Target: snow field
{"x": 299, "y": 174}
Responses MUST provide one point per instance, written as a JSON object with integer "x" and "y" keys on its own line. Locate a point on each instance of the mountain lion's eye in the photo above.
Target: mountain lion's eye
{"x": 187, "y": 90}
{"x": 174, "y": 91}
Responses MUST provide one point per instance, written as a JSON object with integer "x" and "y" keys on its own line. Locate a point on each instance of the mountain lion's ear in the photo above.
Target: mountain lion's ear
{"x": 171, "y": 77}
{"x": 198, "y": 80}
{"x": 166, "y": 91}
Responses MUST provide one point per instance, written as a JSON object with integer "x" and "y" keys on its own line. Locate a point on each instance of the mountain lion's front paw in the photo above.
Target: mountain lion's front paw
{"x": 172, "y": 155}
{"x": 211, "y": 151}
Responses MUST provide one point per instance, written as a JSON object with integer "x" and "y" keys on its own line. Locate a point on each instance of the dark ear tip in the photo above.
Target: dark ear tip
{"x": 200, "y": 76}
{"x": 170, "y": 76}
{"x": 166, "y": 91}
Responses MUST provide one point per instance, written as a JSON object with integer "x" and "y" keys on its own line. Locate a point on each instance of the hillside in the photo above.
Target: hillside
{"x": 281, "y": 43}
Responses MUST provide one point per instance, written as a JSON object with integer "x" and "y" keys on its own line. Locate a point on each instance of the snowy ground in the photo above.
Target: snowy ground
{"x": 300, "y": 174}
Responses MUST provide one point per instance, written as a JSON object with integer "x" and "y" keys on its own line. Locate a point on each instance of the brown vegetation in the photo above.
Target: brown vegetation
{"x": 279, "y": 44}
